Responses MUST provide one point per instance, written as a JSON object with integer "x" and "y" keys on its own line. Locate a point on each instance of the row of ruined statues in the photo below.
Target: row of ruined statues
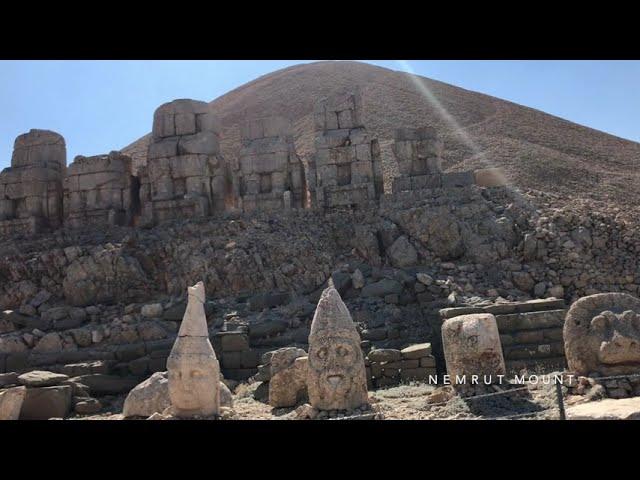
{"x": 186, "y": 174}
{"x": 335, "y": 372}
{"x": 601, "y": 335}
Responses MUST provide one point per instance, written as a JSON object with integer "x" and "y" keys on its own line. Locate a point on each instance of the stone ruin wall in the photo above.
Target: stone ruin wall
{"x": 347, "y": 162}
{"x": 99, "y": 191}
{"x": 271, "y": 174}
{"x": 185, "y": 176}
{"x": 31, "y": 189}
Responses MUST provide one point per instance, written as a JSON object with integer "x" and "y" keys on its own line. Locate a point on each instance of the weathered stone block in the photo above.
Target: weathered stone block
{"x": 46, "y": 402}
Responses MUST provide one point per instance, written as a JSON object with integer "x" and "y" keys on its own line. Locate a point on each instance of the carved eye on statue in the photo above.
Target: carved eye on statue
{"x": 342, "y": 351}
{"x": 196, "y": 374}
{"x": 599, "y": 322}
{"x": 322, "y": 353}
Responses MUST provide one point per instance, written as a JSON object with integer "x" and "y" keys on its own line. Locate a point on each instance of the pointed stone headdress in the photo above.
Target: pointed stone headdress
{"x": 193, "y": 329}
{"x": 332, "y": 317}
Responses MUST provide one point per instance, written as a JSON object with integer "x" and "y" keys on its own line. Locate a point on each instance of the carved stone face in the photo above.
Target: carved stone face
{"x": 336, "y": 373}
{"x": 602, "y": 334}
{"x": 472, "y": 346}
{"x": 193, "y": 384}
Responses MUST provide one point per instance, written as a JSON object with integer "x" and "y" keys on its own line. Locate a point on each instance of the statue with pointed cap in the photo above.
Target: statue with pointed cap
{"x": 336, "y": 374}
{"x": 194, "y": 372}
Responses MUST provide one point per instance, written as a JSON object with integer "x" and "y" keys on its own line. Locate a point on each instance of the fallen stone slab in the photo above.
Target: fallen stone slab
{"x": 609, "y": 409}
{"x": 41, "y": 378}
{"x": 419, "y": 350}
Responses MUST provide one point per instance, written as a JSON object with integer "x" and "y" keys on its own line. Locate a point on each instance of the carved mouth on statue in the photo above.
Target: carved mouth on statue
{"x": 335, "y": 380}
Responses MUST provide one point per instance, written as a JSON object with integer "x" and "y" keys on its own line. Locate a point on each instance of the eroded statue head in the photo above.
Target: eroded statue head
{"x": 336, "y": 377}
{"x": 602, "y": 334}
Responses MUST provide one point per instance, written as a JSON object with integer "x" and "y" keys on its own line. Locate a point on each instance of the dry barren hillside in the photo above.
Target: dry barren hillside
{"x": 537, "y": 150}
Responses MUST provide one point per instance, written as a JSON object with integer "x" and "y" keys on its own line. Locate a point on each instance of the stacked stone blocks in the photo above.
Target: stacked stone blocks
{"x": 271, "y": 173}
{"x": 98, "y": 191}
{"x": 347, "y": 161}
{"x": 185, "y": 176}
{"x": 31, "y": 189}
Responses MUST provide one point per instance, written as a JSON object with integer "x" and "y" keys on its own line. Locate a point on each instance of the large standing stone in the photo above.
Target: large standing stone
{"x": 271, "y": 175}
{"x": 419, "y": 155}
{"x": 99, "y": 191}
{"x": 602, "y": 334}
{"x": 336, "y": 377}
{"x": 186, "y": 175}
{"x": 11, "y": 402}
{"x": 194, "y": 372}
{"x": 472, "y": 346}
{"x": 31, "y": 189}
{"x": 288, "y": 382}
{"x": 346, "y": 168}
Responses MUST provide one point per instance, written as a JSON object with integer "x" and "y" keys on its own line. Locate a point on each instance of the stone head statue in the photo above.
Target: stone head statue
{"x": 194, "y": 372}
{"x": 336, "y": 373}
{"x": 602, "y": 334}
{"x": 472, "y": 345}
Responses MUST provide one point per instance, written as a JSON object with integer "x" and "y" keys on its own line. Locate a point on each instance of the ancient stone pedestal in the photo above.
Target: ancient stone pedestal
{"x": 185, "y": 176}
{"x": 194, "y": 372}
{"x": 336, "y": 374}
{"x": 99, "y": 191}
{"x": 271, "y": 174}
{"x": 31, "y": 189}
{"x": 602, "y": 335}
{"x": 347, "y": 162}
{"x": 472, "y": 346}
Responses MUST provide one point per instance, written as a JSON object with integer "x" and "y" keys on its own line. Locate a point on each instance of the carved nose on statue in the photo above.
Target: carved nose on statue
{"x": 334, "y": 380}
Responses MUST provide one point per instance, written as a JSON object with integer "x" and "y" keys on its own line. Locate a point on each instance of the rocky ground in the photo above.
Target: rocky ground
{"x": 409, "y": 401}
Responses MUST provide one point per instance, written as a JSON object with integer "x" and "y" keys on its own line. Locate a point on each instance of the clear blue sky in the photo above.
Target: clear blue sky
{"x": 100, "y": 106}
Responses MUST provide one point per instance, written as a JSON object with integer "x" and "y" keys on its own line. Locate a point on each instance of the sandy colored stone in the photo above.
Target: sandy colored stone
{"x": 336, "y": 376}
{"x": 40, "y": 378}
{"x": 148, "y": 397}
{"x": 602, "y": 334}
{"x": 472, "y": 345}
{"x": 194, "y": 372}
{"x": 609, "y": 409}
{"x": 11, "y": 402}
{"x": 288, "y": 382}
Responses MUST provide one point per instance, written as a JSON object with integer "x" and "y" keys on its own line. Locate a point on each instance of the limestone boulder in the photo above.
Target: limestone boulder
{"x": 148, "y": 397}
{"x": 287, "y": 385}
{"x": 11, "y": 401}
{"x": 608, "y": 409}
{"x": 402, "y": 254}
